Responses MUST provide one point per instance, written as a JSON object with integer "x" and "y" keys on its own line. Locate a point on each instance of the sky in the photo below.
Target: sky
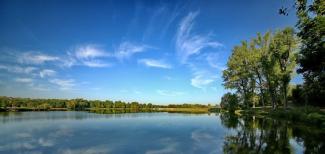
{"x": 160, "y": 52}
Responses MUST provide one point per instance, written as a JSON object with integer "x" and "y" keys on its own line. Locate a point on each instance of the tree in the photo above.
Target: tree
{"x": 229, "y": 101}
{"x": 238, "y": 75}
{"x": 262, "y": 68}
{"x": 311, "y": 25}
{"x": 298, "y": 95}
{"x": 258, "y": 46}
{"x": 71, "y": 104}
{"x": 283, "y": 48}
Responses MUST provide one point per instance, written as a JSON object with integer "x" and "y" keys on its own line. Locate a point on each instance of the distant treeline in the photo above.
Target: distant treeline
{"x": 82, "y": 104}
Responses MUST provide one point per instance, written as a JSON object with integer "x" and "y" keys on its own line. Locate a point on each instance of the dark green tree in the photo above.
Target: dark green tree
{"x": 311, "y": 25}
{"x": 229, "y": 102}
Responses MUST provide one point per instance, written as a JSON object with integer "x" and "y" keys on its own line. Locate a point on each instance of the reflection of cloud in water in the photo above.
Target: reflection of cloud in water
{"x": 90, "y": 150}
{"x": 23, "y": 135}
{"x": 18, "y": 145}
{"x": 169, "y": 146}
{"x": 45, "y": 142}
{"x": 30, "y": 144}
{"x": 62, "y": 132}
{"x": 28, "y": 141}
{"x": 205, "y": 141}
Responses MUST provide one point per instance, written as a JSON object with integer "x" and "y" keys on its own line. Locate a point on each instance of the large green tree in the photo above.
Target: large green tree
{"x": 238, "y": 75}
{"x": 311, "y": 25}
{"x": 262, "y": 68}
{"x": 283, "y": 49}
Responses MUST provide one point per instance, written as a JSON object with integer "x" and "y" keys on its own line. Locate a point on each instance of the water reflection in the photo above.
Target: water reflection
{"x": 265, "y": 135}
{"x": 152, "y": 133}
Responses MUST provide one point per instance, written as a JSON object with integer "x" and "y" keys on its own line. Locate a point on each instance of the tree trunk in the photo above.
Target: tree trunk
{"x": 285, "y": 97}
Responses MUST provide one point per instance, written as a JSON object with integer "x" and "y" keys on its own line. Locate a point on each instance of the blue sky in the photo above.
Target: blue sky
{"x": 148, "y": 51}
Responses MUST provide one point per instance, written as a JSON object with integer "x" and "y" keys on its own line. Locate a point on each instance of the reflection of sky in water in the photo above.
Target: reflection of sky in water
{"x": 82, "y": 132}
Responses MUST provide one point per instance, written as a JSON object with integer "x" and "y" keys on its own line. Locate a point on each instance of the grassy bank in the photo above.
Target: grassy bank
{"x": 183, "y": 110}
{"x": 306, "y": 115}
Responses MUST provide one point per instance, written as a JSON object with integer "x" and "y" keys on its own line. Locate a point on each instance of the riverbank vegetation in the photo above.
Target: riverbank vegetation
{"x": 259, "y": 71}
{"x": 107, "y": 106}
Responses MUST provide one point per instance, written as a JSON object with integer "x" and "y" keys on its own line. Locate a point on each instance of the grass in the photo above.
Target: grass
{"x": 307, "y": 115}
{"x": 184, "y": 110}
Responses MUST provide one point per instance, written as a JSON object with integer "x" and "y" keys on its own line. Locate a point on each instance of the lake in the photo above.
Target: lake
{"x": 152, "y": 133}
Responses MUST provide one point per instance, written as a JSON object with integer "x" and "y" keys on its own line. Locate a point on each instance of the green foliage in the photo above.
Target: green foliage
{"x": 311, "y": 25}
{"x": 27, "y": 104}
{"x": 262, "y": 69}
{"x": 308, "y": 114}
{"x": 230, "y": 102}
{"x": 297, "y": 95}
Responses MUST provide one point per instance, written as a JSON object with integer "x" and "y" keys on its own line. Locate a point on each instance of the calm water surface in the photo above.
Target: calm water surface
{"x": 151, "y": 133}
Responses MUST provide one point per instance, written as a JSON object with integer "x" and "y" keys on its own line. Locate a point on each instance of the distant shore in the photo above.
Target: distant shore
{"x": 116, "y": 110}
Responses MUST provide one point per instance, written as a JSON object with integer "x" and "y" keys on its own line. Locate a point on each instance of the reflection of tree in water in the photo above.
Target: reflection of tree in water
{"x": 313, "y": 139}
{"x": 261, "y": 135}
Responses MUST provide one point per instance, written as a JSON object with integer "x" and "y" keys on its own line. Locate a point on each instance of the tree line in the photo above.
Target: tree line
{"x": 259, "y": 70}
{"x": 82, "y": 104}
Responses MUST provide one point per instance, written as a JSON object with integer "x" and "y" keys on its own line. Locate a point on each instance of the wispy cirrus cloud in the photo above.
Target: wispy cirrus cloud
{"x": 203, "y": 77}
{"x": 201, "y": 81}
{"x": 18, "y": 69}
{"x": 96, "y": 63}
{"x": 36, "y": 58}
{"x": 90, "y": 51}
{"x": 24, "y": 80}
{"x": 187, "y": 43}
{"x": 155, "y": 63}
{"x": 89, "y": 55}
{"x": 64, "y": 84}
{"x": 127, "y": 49}
{"x": 213, "y": 61}
{"x": 47, "y": 72}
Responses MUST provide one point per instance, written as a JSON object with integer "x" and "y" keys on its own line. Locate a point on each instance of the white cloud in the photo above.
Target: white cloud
{"x": 24, "y": 80}
{"x": 18, "y": 69}
{"x": 47, "y": 72}
{"x": 64, "y": 84}
{"x": 155, "y": 63}
{"x": 69, "y": 60}
{"x": 202, "y": 78}
{"x": 127, "y": 49}
{"x": 35, "y": 58}
{"x": 169, "y": 93}
{"x": 88, "y": 55}
{"x": 188, "y": 44}
{"x": 89, "y": 51}
{"x": 95, "y": 63}
{"x": 212, "y": 60}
